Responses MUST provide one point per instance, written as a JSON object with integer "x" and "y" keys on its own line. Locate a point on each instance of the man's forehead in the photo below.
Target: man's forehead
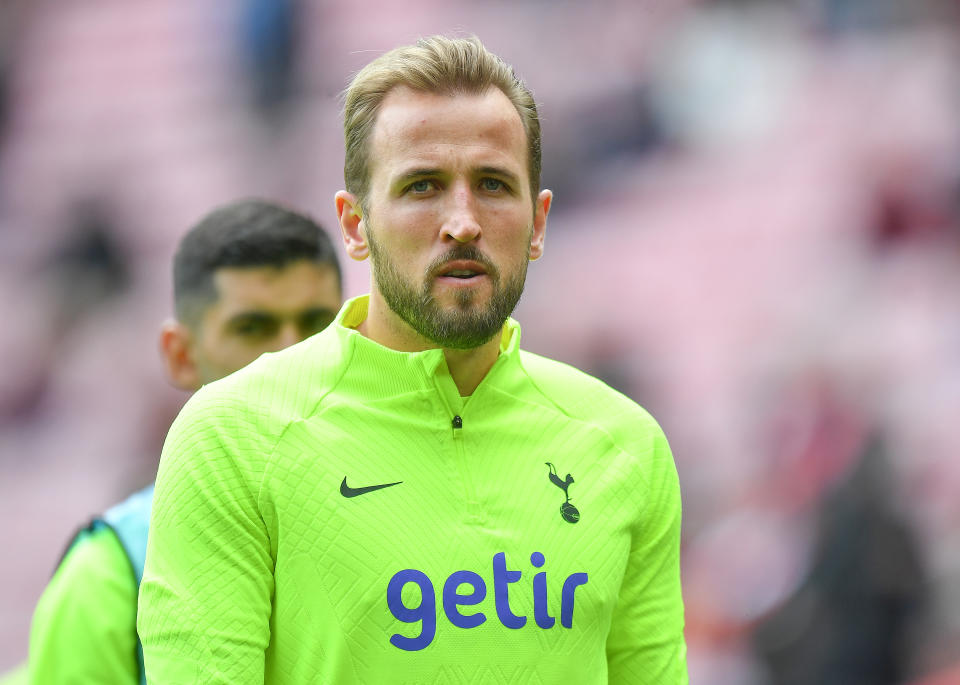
{"x": 403, "y": 97}
{"x": 297, "y": 283}
{"x": 269, "y": 271}
{"x": 411, "y": 121}
{"x": 230, "y": 280}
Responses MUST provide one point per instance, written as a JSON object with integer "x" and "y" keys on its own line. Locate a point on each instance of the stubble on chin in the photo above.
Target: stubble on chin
{"x": 469, "y": 323}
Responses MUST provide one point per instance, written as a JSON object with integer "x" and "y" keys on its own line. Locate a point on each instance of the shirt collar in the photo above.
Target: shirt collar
{"x": 354, "y": 312}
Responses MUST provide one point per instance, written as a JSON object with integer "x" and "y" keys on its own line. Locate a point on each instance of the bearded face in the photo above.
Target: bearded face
{"x": 471, "y": 317}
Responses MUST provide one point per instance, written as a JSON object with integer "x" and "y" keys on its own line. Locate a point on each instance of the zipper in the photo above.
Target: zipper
{"x": 474, "y": 511}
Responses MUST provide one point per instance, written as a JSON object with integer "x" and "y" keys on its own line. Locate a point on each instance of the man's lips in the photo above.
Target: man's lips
{"x": 461, "y": 270}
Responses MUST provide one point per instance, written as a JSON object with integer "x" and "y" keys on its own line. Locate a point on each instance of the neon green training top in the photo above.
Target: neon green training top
{"x": 17, "y": 676}
{"x": 83, "y": 628}
{"x": 337, "y": 513}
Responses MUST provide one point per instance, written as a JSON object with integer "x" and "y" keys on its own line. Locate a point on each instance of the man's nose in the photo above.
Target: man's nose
{"x": 289, "y": 334}
{"x": 462, "y": 223}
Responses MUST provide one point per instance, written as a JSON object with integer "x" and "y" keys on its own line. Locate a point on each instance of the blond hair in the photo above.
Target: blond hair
{"x": 436, "y": 64}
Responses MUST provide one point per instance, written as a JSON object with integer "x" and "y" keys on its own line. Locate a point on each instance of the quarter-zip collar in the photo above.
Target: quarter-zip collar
{"x": 379, "y": 372}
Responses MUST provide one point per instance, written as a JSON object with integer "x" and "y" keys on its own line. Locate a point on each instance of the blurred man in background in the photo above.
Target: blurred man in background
{"x": 854, "y": 618}
{"x": 251, "y": 277}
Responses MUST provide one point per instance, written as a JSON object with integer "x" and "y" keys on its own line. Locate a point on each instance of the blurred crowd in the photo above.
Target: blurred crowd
{"x": 756, "y": 235}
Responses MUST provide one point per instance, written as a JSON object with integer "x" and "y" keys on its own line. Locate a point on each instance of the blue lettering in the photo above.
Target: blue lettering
{"x": 451, "y": 599}
{"x": 501, "y": 592}
{"x": 566, "y": 597}
{"x": 541, "y": 613}
{"x": 425, "y": 612}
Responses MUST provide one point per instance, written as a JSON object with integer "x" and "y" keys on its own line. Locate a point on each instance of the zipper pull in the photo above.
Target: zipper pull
{"x": 457, "y": 422}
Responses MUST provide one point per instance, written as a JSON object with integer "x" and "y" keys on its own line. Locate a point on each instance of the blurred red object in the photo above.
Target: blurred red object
{"x": 950, "y": 676}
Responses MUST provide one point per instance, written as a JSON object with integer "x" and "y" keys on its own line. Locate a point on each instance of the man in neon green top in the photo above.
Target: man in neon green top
{"x": 408, "y": 497}
{"x": 251, "y": 277}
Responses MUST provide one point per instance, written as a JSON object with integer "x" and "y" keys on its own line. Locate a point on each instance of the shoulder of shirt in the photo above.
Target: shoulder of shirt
{"x": 95, "y": 563}
{"x": 276, "y": 389}
{"x": 586, "y": 398}
{"x": 86, "y": 615}
{"x": 99, "y": 548}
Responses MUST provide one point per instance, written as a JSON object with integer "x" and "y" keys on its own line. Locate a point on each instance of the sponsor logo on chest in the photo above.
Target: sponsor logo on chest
{"x": 425, "y": 613}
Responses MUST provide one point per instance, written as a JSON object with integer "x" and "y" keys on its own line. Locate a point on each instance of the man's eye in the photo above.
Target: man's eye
{"x": 420, "y": 186}
{"x": 255, "y": 328}
{"x": 493, "y": 185}
{"x": 314, "y": 322}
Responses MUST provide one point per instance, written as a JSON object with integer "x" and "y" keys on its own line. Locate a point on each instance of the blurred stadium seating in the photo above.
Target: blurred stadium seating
{"x": 755, "y": 234}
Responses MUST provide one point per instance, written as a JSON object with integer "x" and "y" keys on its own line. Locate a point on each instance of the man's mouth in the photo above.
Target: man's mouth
{"x": 462, "y": 270}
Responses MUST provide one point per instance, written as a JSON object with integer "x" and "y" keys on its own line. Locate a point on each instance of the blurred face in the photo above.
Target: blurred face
{"x": 450, "y": 222}
{"x": 261, "y": 309}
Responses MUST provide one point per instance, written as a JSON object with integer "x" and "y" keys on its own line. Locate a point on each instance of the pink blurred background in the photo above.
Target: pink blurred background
{"x": 755, "y": 234}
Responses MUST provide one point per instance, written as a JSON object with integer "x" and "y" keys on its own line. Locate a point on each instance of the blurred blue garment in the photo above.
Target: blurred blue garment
{"x": 267, "y": 33}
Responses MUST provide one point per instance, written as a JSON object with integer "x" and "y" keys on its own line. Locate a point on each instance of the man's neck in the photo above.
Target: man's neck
{"x": 470, "y": 367}
{"x": 467, "y": 367}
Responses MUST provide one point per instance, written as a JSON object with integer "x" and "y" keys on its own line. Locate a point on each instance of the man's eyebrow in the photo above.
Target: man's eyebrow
{"x": 415, "y": 173}
{"x": 499, "y": 171}
{"x": 426, "y": 172}
{"x": 261, "y": 315}
{"x": 312, "y": 311}
{"x": 251, "y": 315}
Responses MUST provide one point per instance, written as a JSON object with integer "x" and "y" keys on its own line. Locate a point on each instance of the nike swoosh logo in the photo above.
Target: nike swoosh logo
{"x": 347, "y": 491}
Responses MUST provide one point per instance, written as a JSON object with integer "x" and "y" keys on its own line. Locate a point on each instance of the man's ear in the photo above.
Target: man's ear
{"x": 540, "y": 211}
{"x": 352, "y": 227}
{"x": 177, "y": 353}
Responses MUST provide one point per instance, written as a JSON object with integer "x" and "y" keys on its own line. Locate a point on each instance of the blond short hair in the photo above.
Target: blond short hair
{"x": 436, "y": 64}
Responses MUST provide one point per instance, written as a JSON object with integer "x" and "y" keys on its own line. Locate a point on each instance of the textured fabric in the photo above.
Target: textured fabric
{"x": 83, "y": 628}
{"x": 470, "y": 566}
